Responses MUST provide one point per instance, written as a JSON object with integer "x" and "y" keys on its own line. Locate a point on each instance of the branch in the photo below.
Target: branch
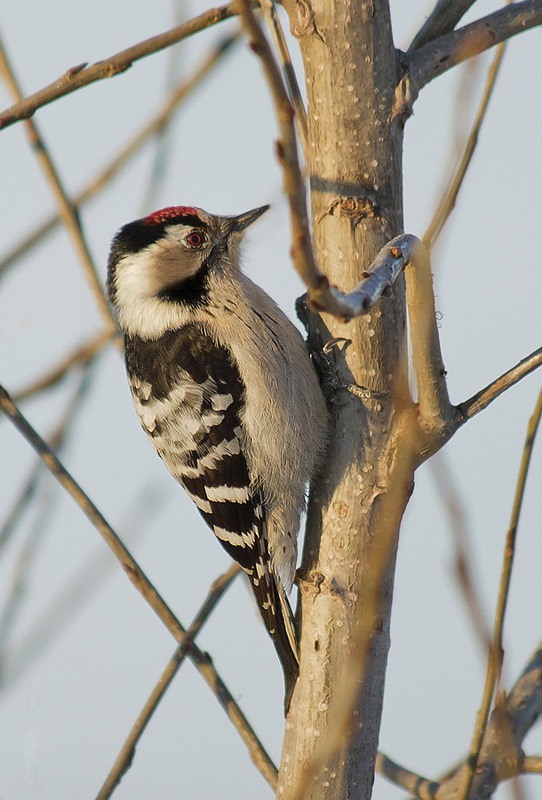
{"x": 28, "y": 550}
{"x": 65, "y": 205}
{"x": 454, "y": 507}
{"x": 442, "y": 19}
{"x": 435, "y": 412}
{"x": 82, "y": 75}
{"x": 421, "y": 788}
{"x": 469, "y": 408}
{"x": 390, "y": 261}
{"x": 302, "y": 252}
{"x": 142, "y": 584}
{"x": 271, "y": 16}
{"x": 532, "y": 764}
{"x": 81, "y": 356}
{"x": 442, "y": 54}
{"x": 67, "y": 603}
{"x": 124, "y": 760}
{"x": 501, "y": 756}
{"x": 448, "y": 201}
{"x": 496, "y": 652}
{"x": 129, "y": 149}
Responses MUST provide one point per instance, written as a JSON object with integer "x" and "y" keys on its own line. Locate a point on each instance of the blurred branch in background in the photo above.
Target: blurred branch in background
{"x": 449, "y": 197}
{"x": 496, "y": 652}
{"x": 132, "y": 569}
{"x": 463, "y": 559}
{"x": 501, "y": 754}
{"x": 66, "y": 207}
{"x": 124, "y": 760}
{"x": 36, "y": 491}
{"x": 63, "y": 608}
{"x": 152, "y": 128}
{"x": 81, "y": 357}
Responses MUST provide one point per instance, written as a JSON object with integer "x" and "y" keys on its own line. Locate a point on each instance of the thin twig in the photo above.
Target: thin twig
{"x": 127, "y": 752}
{"x": 82, "y": 75}
{"x": 80, "y": 357}
{"x": 485, "y": 396}
{"x": 495, "y": 655}
{"x": 202, "y": 662}
{"x": 29, "y": 490}
{"x": 449, "y": 198}
{"x": 35, "y": 537}
{"x": 457, "y": 519}
{"x": 421, "y": 788}
{"x": 163, "y": 141}
{"x": 21, "y": 504}
{"x": 65, "y": 205}
{"x": 442, "y": 19}
{"x": 178, "y": 94}
{"x": 271, "y": 16}
{"x": 532, "y": 764}
{"x": 294, "y": 187}
{"x": 440, "y": 55}
{"x": 66, "y": 604}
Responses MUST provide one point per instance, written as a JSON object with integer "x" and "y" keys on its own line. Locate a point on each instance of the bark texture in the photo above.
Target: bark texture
{"x": 354, "y": 161}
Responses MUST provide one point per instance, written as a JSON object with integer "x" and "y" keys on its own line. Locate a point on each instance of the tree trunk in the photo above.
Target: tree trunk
{"x": 354, "y": 162}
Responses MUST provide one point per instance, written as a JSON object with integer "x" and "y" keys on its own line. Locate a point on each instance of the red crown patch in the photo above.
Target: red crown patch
{"x": 170, "y": 213}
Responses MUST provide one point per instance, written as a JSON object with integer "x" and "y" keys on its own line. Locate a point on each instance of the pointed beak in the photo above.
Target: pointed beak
{"x": 240, "y": 223}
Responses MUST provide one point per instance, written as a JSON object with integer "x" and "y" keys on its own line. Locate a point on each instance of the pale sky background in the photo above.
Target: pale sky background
{"x": 64, "y": 713}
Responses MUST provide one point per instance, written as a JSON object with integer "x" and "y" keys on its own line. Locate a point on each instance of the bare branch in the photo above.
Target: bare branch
{"x": 129, "y": 149}
{"x": 443, "y": 19}
{"x": 449, "y": 198}
{"x": 80, "y": 357}
{"x": 496, "y": 652}
{"x": 501, "y": 756}
{"x": 127, "y": 753}
{"x": 391, "y": 260}
{"x": 28, "y": 550}
{"x": 469, "y": 408}
{"x": 443, "y": 53}
{"x": 532, "y": 764}
{"x": 272, "y": 18}
{"x": 56, "y": 614}
{"x": 82, "y": 75}
{"x": 142, "y": 583}
{"x": 66, "y": 207}
{"x": 421, "y": 788}
{"x": 463, "y": 560}
{"x": 302, "y": 253}
{"x": 436, "y": 413}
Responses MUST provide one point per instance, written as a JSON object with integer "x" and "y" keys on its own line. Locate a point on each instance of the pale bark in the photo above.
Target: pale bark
{"x": 354, "y": 161}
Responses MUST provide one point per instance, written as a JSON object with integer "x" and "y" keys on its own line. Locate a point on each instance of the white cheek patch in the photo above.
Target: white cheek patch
{"x": 139, "y": 279}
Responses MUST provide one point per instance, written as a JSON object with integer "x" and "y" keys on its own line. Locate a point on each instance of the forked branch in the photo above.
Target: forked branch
{"x": 501, "y": 755}
{"x": 442, "y": 19}
{"x": 441, "y": 54}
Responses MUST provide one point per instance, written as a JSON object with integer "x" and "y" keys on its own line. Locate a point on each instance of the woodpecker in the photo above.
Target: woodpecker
{"x": 225, "y": 389}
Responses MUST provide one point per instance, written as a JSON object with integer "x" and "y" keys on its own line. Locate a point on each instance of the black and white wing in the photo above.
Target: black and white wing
{"x": 189, "y": 397}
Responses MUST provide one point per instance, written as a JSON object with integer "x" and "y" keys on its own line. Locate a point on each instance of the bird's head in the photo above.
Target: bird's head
{"x": 169, "y": 258}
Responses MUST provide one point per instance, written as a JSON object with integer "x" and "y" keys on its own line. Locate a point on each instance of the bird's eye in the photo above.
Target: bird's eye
{"x": 195, "y": 238}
